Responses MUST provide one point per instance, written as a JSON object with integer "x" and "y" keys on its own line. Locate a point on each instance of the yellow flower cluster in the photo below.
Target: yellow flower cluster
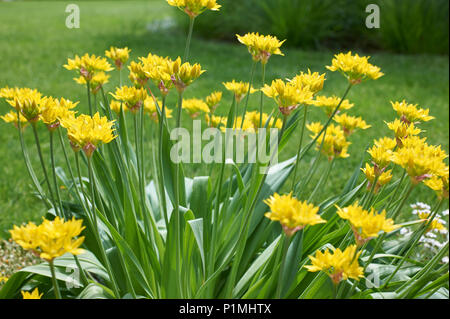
{"x": 371, "y": 174}
{"x": 51, "y": 239}
{"x": 213, "y": 100}
{"x": 24, "y": 100}
{"x": 381, "y": 154}
{"x": 439, "y": 184}
{"x": 311, "y": 81}
{"x": 32, "y": 295}
{"x": 292, "y": 214}
{"x": 338, "y": 264}
{"x": 157, "y": 69}
{"x": 119, "y": 56}
{"x": 87, "y": 133}
{"x": 434, "y": 225}
{"x": 288, "y": 95}
{"x": 195, "y": 7}
{"x": 355, "y": 68}
{"x": 350, "y": 123}
{"x": 261, "y": 47}
{"x": 194, "y": 107}
{"x": 329, "y": 104}
{"x": 132, "y": 97}
{"x": 410, "y": 113}
{"x": 215, "y": 121}
{"x": 54, "y": 110}
{"x": 240, "y": 89}
{"x": 11, "y": 117}
{"x": 366, "y": 224}
{"x": 88, "y": 65}
{"x": 334, "y": 141}
{"x": 403, "y": 130}
{"x": 251, "y": 122}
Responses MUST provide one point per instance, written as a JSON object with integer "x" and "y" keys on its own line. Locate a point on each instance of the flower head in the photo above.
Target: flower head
{"x": 313, "y": 81}
{"x": 51, "y": 239}
{"x": 137, "y": 75}
{"x": 213, "y": 100}
{"x": 329, "y": 104}
{"x": 292, "y": 214}
{"x": 88, "y": 65}
{"x": 53, "y": 110}
{"x": 11, "y": 117}
{"x": 33, "y": 295}
{"x": 119, "y": 56}
{"x": 240, "y": 89}
{"x": 288, "y": 96}
{"x": 26, "y": 101}
{"x": 434, "y": 225}
{"x": 132, "y": 97}
{"x": 160, "y": 71}
{"x": 87, "y": 132}
{"x": 184, "y": 74}
{"x": 410, "y": 113}
{"x": 371, "y": 173}
{"x": 366, "y": 224}
{"x": 355, "y": 68}
{"x": 337, "y": 264}
{"x": 350, "y": 123}
{"x": 261, "y": 47}
{"x": 215, "y": 121}
{"x": 194, "y": 107}
{"x": 193, "y": 8}
{"x": 334, "y": 142}
{"x": 403, "y": 130}
{"x": 439, "y": 184}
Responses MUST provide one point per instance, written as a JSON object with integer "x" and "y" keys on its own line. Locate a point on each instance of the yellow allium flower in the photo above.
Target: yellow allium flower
{"x": 87, "y": 132}
{"x": 381, "y": 153}
{"x": 33, "y": 295}
{"x": 355, "y": 68}
{"x": 410, "y": 113}
{"x": 261, "y": 47}
{"x": 53, "y": 110}
{"x": 313, "y": 81}
{"x": 439, "y": 184}
{"x": 3, "y": 279}
{"x": 334, "y": 142}
{"x": 292, "y": 214}
{"x": 386, "y": 143}
{"x": 88, "y": 65}
{"x": 137, "y": 76}
{"x": 371, "y": 173}
{"x": 403, "y": 130}
{"x": 194, "y": 107}
{"x": 254, "y": 117}
{"x": 213, "y": 100}
{"x": 26, "y": 101}
{"x": 51, "y": 239}
{"x": 150, "y": 109}
{"x": 115, "y": 106}
{"x": 184, "y": 74}
{"x": 195, "y": 7}
{"x": 366, "y": 224}
{"x": 350, "y": 123}
{"x": 434, "y": 225}
{"x": 160, "y": 71}
{"x": 337, "y": 264}
{"x": 215, "y": 121}
{"x": 239, "y": 89}
{"x": 287, "y": 95}
{"x": 96, "y": 83}
{"x": 132, "y": 97}
{"x": 11, "y": 117}
{"x": 421, "y": 161}
{"x": 329, "y": 104}
{"x": 119, "y": 56}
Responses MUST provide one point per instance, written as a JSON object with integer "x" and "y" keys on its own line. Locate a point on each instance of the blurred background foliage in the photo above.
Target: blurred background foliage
{"x": 406, "y": 26}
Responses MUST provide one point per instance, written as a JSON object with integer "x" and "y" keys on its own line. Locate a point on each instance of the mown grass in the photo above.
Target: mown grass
{"x": 34, "y": 44}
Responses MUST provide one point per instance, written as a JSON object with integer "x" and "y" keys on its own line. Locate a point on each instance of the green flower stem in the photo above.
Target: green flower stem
{"x": 84, "y": 279}
{"x": 261, "y": 102}
{"x": 54, "y": 281}
{"x": 410, "y": 250}
{"x": 88, "y": 86}
{"x": 322, "y": 180}
{"x": 80, "y": 179}
{"x": 188, "y": 42}
{"x": 287, "y": 241}
{"x": 96, "y": 230}
{"x": 55, "y": 182}
{"x": 41, "y": 158}
{"x": 391, "y": 200}
{"x": 137, "y": 139}
{"x": 305, "y": 113}
{"x": 161, "y": 161}
{"x": 369, "y": 197}
{"x": 105, "y": 101}
{"x": 252, "y": 75}
{"x": 28, "y": 165}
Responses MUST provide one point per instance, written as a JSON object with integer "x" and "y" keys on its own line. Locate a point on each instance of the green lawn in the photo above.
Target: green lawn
{"x": 34, "y": 44}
